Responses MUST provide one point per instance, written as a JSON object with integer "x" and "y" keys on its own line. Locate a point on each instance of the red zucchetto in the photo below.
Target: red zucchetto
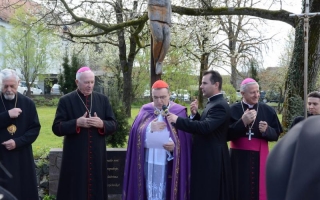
{"x": 160, "y": 84}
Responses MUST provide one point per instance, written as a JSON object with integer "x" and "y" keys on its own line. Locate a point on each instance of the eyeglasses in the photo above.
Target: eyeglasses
{"x": 161, "y": 97}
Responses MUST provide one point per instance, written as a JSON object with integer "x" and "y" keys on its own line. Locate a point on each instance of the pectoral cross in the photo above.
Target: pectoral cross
{"x": 249, "y": 133}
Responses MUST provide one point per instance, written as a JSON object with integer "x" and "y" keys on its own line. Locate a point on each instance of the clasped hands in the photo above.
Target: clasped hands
{"x": 94, "y": 121}
{"x": 159, "y": 126}
{"x": 249, "y": 116}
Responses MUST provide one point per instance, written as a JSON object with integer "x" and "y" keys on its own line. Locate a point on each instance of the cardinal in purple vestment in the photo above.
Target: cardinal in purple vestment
{"x": 158, "y": 155}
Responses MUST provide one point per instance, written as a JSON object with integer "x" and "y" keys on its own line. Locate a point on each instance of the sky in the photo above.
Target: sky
{"x": 281, "y": 29}
{"x": 272, "y": 57}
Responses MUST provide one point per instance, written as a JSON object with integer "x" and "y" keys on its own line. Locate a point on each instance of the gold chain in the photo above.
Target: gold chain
{"x": 254, "y": 118}
{"x": 12, "y": 128}
{"x": 15, "y": 105}
{"x": 89, "y": 111}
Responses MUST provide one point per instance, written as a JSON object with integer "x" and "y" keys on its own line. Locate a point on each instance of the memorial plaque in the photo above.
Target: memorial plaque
{"x": 116, "y": 159}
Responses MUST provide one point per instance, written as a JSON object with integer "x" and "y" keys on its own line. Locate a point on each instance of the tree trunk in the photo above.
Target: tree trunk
{"x": 203, "y": 67}
{"x": 294, "y": 87}
{"x": 126, "y": 64}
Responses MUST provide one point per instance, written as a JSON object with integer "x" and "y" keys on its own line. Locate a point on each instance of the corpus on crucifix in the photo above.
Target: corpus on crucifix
{"x": 159, "y": 13}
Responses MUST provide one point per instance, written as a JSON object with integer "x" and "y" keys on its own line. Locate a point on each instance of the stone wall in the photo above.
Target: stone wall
{"x": 115, "y": 166}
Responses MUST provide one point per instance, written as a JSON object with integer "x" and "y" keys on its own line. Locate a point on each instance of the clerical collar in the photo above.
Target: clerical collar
{"x": 249, "y": 105}
{"x": 79, "y": 92}
{"x": 214, "y": 96}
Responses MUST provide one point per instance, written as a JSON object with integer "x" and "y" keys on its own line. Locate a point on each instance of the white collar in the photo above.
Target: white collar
{"x": 249, "y": 105}
{"x": 214, "y": 95}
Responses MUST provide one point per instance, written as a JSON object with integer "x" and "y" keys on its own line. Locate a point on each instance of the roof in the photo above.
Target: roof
{"x": 7, "y": 7}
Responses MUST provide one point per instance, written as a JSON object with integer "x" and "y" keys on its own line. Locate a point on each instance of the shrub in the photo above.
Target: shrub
{"x": 119, "y": 138}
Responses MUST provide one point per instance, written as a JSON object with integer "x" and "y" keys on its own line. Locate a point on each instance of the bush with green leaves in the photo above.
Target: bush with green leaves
{"x": 119, "y": 138}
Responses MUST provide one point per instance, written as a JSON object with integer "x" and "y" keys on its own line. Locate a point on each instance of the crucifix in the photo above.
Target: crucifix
{"x": 159, "y": 13}
{"x": 249, "y": 134}
{"x": 306, "y": 17}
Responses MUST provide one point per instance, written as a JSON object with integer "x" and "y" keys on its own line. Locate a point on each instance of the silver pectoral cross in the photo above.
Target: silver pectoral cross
{"x": 249, "y": 133}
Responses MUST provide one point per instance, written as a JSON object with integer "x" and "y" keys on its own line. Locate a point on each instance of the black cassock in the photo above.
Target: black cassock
{"x": 248, "y": 157}
{"x": 83, "y": 172}
{"x": 19, "y": 162}
{"x": 293, "y": 164}
{"x": 210, "y": 162}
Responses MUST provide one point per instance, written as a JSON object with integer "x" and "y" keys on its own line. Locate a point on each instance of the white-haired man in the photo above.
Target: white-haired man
{"x": 252, "y": 125}
{"x": 19, "y": 128}
{"x": 84, "y": 118}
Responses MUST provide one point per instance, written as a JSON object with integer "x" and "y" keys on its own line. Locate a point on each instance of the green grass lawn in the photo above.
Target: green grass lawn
{"x": 48, "y": 140}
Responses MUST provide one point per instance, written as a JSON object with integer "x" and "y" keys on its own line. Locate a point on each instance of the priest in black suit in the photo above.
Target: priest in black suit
{"x": 210, "y": 164}
{"x": 313, "y": 107}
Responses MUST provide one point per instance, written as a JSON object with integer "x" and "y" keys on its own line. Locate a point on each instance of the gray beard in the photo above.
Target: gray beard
{"x": 9, "y": 97}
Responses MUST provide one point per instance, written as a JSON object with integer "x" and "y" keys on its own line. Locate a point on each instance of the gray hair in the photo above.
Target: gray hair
{"x": 78, "y": 74}
{"x": 243, "y": 88}
{"x": 9, "y": 73}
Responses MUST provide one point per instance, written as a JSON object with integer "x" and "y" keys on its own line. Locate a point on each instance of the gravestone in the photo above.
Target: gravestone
{"x": 115, "y": 168}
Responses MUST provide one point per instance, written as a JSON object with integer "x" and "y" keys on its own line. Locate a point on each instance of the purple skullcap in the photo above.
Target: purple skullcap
{"x": 83, "y": 69}
{"x": 248, "y": 80}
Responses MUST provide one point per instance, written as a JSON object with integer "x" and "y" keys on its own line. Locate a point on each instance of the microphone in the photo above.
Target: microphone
{"x": 165, "y": 109}
{"x": 166, "y": 112}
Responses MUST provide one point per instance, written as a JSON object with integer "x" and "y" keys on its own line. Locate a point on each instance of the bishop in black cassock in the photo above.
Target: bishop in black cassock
{"x": 249, "y": 144}
{"x": 83, "y": 174}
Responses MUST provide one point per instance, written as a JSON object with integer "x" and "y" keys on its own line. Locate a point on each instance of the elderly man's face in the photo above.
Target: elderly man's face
{"x": 160, "y": 97}
{"x": 251, "y": 95}
{"x": 314, "y": 105}
{"x": 9, "y": 87}
{"x": 86, "y": 83}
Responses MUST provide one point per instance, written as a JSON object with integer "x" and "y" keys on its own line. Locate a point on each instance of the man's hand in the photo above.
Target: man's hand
{"x": 83, "y": 121}
{"x": 263, "y": 125}
{"x": 9, "y": 144}
{"x": 169, "y": 146}
{"x": 157, "y": 126}
{"x": 172, "y": 118}
{"x": 95, "y": 121}
{"x": 249, "y": 116}
{"x": 194, "y": 107}
{"x": 15, "y": 112}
